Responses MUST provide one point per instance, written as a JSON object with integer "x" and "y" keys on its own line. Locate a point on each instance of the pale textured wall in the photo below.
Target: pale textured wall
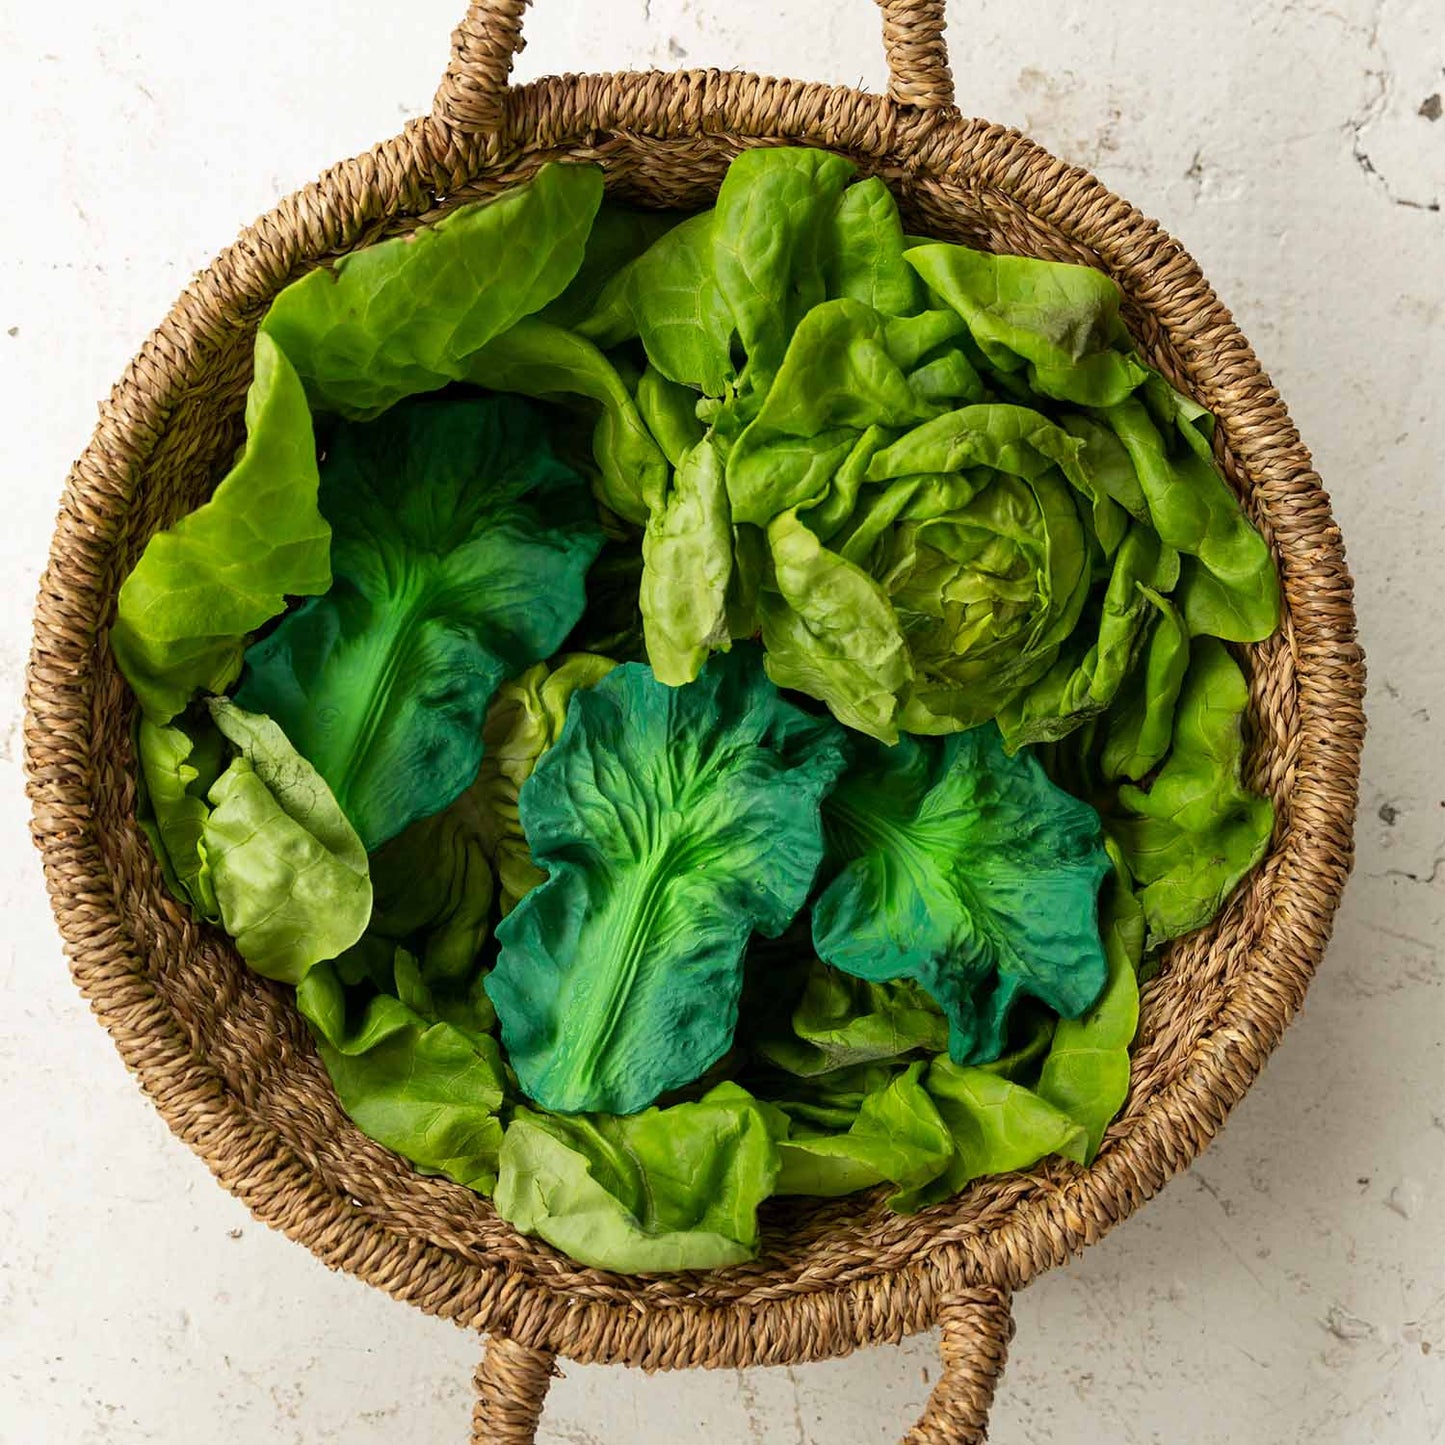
{"x": 1290, "y": 1289}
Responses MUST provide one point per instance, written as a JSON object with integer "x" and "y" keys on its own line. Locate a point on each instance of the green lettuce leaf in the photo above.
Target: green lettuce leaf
{"x": 618, "y": 236}
{"x": 432, "y": 890}
{"x": 840, "y": 1020}
{"x": 669, "y": 298}
{"x": 863, "y": 252}
{"x": 969, "y": 872}
{"x": 429, "y": 1088}
{"x": 178, "y": 765}
{"x": 403, "y": 316}
{"x": 460, "y": 547}
{"x": 687, "y": 563}
{"x": 1196, "y": 830}
{"x": 769, "y": 248}
{"x": 1141, "y": 722}
{"x": 537, "y": 359}
{"x": 289, "y": 873}
{"x": 1092, "y": 666}
{"x": 222, "y": 571}
{"x": 672, "y": 822}
{"x": 996, "y": 1125}
{"x": 1086, "y": 1072}
{"x": 897, "y": 1135}
{"x": 1059, "y": 321}
{"x": 525, "y": 719}
{"x": 666, "y": 1189}
{"x": 1229, "y": 587}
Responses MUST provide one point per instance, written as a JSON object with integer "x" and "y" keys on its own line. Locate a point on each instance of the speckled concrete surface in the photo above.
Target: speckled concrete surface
{"x": 1291, "y": 1287}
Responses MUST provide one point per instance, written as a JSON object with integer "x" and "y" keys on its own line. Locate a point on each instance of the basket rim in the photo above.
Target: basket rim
{"x": 800, "y": 1317}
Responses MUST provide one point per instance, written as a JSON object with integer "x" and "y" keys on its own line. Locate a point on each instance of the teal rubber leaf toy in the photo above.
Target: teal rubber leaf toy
{"x": 970, "y": 872}
{"x": 460, "y": 551}
{"x": 672, "y": 822}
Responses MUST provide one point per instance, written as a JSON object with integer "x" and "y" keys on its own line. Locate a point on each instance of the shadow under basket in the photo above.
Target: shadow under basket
{"x": 226, "y": 1058}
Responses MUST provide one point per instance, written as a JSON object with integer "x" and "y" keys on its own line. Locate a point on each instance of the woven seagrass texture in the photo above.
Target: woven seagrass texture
{"x": 224, "y": 1055}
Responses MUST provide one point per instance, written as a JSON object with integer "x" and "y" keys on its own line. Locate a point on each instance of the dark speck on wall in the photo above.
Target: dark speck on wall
{"x": 1388, "y": 813}
{"x": 1432, "y": 107}
{"x": 12, "y": 331}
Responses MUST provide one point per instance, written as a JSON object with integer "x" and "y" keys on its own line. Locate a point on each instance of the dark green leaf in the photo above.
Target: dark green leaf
{"x": 672, "y": 823}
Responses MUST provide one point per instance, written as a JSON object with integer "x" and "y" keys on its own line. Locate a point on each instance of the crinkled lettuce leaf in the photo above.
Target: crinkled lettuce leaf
{"x": 429, "y": 1087}
{"x": 1086, "y": 1071}
{"x": 460, "y": 548}
{"x": 840, "y": 1020}
{"x": 996, "y": 1125}
{"x": 672, "y": 822}
{"x": 403, "y": 316}
{"x": 535, "y": 358}
{"x": 897, "y": 1135}
{"x": 1196, "y": 830}
{"x": 665, "y": 1189}
{"x": 969, "y": 872}
{"x": 289, "y": 872}
{"x": 227, "y": 568}
{"x": 178, "y": 764}
{"x": 525, "y": 719}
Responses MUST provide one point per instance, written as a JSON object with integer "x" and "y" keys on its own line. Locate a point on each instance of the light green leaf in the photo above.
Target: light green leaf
{"x": 769, "y": 237}
{"x": 525, "y": 719}
{"x": 403, "y": 316}
{"x": 841, "y": 1020}
{"x": 1141, "y": 722}
{"x": 669, "y": 298}
{"x": 997, "y": 1126}
{"x": 863, "y": 258}
{"x": 429, "y": 1089}
{"x": 289, "y": 872}
{"x": 898, "y": 1135}
{"x": 178, "y": 765}
{"x": 687, "y": 562}
{"x": 1086, "y": 1073}
{"x": 536, "y": 359}
{"x": 665, "y": 1189}
{"x": 1197, "y": 830}
{"x": 829, "y": 631}
{"x": 228, "y": 567}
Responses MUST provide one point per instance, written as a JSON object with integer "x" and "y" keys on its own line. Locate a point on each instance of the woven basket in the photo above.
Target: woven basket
{"x": 224, "y": 1055}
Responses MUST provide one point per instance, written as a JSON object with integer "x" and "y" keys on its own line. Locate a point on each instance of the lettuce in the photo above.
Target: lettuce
{"x": 405, "y": 315}
{"x": 460, "y": 547}
{"x": 978, "y": 502}
{"x": 969, "y": 872}
{"x": 672, "y": 824}
{"x": 289, "y": 873}
{"x": 666, "y": 1189}
{"x": 227, "y": 568}
{"x": 427, "y": 1086}
{"x": 525, "y": 719}
{"x": 1196, "y": 830}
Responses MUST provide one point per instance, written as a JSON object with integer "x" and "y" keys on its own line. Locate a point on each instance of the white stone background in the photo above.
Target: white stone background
{"x": 1291, "y": 1287}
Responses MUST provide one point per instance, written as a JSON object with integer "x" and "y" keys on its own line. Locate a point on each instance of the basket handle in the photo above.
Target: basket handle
{"x": 512, "y": 1379}
{"x": 470, "y": 97}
